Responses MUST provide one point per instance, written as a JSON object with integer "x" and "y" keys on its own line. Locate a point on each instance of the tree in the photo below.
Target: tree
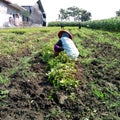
{"x": 118, "y": 13}
{"x": 76, "y": 13}
{"x": 63, "y": 15}
{"x": 73, "y": 11}
{"x": 85, "y": 15}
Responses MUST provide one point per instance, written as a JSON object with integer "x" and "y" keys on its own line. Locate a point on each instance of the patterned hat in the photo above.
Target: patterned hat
{"x": 62, "y": 31}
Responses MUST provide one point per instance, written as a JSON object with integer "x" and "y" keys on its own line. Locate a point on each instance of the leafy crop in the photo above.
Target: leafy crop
{"x": 61, "y": 68}
{"x": 63, "y": 75}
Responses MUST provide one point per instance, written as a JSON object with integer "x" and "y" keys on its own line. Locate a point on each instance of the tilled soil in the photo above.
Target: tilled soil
{"x": 28, "y": 98}
{"x": 35, "y": 98}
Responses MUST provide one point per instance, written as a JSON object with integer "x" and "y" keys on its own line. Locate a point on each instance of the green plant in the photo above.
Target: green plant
{"x": 18, "y": 32}
{"x": 54, "y": 112}
{"x": 50, "y": 96}
{"x": 47, "y": 52}
{"x": 72, "y": 96}
{"x": 97, "y": 91}
{"x": 83, "y": 52}
{"x": 63, "y": 75}
{"x": 3, "y": 79}
{"x": 61, "y": 58}
{"x": 24, "y": 61}
{"x": 3, "y": 94}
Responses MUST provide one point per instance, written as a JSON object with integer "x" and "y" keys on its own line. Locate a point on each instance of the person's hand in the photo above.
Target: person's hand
{"x": 56, "y": 53}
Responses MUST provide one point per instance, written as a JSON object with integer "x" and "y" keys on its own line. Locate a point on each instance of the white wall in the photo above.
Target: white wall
{"x": 4, "y": 20}
{"x": 36, "y": 15}
{"x": 7, "y": 11}
{"x": 4, "y": 17}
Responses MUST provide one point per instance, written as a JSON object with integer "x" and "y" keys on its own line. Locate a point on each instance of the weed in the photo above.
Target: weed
{"x": 3, "y": 94}
{"x": 97, "y": 91}
{"x": 54, "y": 112}
{"x": 3, "y": 79}
{"x": 50, "y": 96}
{"x": 18, "y": 32}
{"x": 72, "y": 96}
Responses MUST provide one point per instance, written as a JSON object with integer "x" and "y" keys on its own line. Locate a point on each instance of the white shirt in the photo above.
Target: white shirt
{"x": 69, "y": 47}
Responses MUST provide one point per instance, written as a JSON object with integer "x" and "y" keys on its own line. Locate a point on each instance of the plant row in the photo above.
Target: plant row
{"x": 111, "y": 24}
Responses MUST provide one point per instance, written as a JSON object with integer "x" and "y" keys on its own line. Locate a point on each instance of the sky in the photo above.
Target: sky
{"x": 100, "y": 9}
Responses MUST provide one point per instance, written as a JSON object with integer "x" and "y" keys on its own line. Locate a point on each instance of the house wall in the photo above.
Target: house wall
{"x": 3, "y": 16}
{"x": 6, "y": 13}
{"x": 12, "y": 16}
{"x": 36, "y": 15}
{"x": 3, "y": 7}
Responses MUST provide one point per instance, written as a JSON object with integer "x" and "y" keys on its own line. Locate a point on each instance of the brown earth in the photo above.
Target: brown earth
{"x": 34, "y": 98}
{"x": 28, "y": 98}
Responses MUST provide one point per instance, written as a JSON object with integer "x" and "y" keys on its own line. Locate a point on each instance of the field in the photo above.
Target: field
{"x": 36, "y": 85}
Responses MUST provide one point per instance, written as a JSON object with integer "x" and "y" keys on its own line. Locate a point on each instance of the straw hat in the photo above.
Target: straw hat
{"x": 62, "y": 31}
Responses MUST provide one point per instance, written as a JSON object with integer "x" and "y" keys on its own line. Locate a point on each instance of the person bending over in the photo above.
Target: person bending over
{"x": 65, "y": 43}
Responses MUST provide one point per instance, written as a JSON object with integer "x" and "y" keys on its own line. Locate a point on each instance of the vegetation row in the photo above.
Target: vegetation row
{"x": 112, "y": 24}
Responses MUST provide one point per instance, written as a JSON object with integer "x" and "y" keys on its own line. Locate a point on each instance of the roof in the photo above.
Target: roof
{"x": 17, "y": 7}
{"x": 7, "y": 1}
{"x": 14, "y": 5}
{"x": 40, "y": 6}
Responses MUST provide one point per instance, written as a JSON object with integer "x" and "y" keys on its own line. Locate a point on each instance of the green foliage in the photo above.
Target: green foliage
{"x": 99, "y": 94}
{"x": 63, "y": 75}
{"x": 61, "y": 58}
{"x": 50, "y": 96}
{"x": 47, "y": 52}
{"x": 97, "y": 91}
{"x": 86, "y": 61}
{"x": 18, "y": 32}
{"x": 72, "y": 96}
{"x": 83, "y": 52}
{"x": 3, "y": 94}
{"x": 25, "y": 62}
{"x": 62, "y": 71}
{"x": 76, "y": 13}
{"x": 3, "y": 79}
{"x": 59, "y": 24}
{"x": 54, "y": 112}
{"x": 112, "y": 24}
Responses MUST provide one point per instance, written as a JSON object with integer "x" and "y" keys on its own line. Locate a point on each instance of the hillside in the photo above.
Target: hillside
{"x": 28, "y": 92}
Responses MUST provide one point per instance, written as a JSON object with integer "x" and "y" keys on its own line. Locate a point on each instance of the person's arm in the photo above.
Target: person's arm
{"x": 59, "y": 44}
{"x": 58, "y": 47}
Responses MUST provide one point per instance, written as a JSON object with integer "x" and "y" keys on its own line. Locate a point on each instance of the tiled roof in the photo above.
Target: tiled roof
{"x": 18, "y": 7}
{"x": 7, "y": 1}
{"x": 14, "y": 5}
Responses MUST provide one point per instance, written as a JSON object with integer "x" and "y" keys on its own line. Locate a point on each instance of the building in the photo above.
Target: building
{"x": 13, "y": 15}
{"x": 36, "y": 14}
{"x": 10, "y": 14}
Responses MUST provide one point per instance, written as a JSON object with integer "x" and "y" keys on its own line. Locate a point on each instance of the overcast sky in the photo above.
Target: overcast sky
{"x": 100, "y": 9}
